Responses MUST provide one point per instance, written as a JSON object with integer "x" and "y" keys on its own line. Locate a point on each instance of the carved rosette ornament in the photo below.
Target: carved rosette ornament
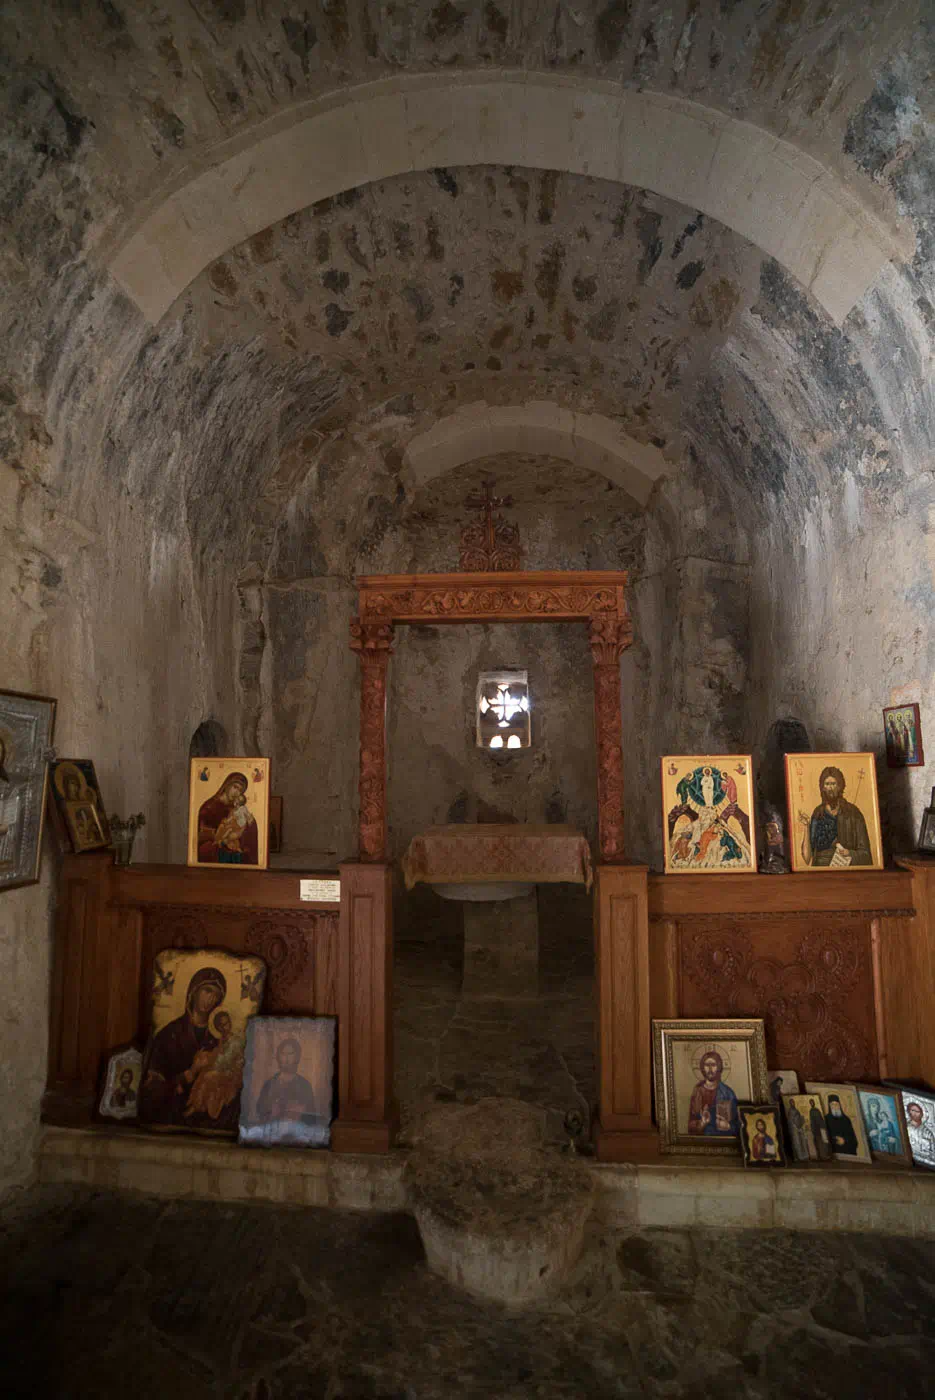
{"x": 609, "y": 638}
{"x": 373, "y": 643}
{"x": 284, "y": 948}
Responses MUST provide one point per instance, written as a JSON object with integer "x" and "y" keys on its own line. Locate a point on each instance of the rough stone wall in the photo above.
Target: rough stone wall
{"x": 684, "y": 681}
{"x": 845, "y": 577}
{"x": 568, "y": 519}
{"x": 118, "y": 590}
{"x": 157, "y": 87}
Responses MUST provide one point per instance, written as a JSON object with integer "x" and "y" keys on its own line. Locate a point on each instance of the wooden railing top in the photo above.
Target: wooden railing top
{"x": 874, "y": 892}
{"x": 185, "y": 884}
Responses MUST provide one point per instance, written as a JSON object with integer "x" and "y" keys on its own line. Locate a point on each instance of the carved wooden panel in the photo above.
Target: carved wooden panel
{"x": 809, "y": 977}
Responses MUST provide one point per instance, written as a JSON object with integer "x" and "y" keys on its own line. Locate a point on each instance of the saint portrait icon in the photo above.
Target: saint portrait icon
{"x": 761, "y": 1136}
{"x": 77, "y": 797}
{"x": 124, "y": 1096}
{"x": 11, "y": 804}
{"x": 886, "y": 1127}
{"x": 193, "y": 1065}
{"x": 902, "y": 728}
{"x": 707, "y": 800}
{"x": 288, "y": 1082}
{"x": 703, "y": 1071}
{"x": 26, "y": 725}
{"x": 229, "y": 813}
{"x": 802, "y": 1150}
{"x": 120, "y": 1097}
{"x": 712, "y": 1111}
{"x": 834, "y": 815}
{"x": 844, "y": 1123}
{"x": 919, "y": 1109}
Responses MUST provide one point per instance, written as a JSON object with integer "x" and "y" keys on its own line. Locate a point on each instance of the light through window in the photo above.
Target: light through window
{"x": 503, "y": 710}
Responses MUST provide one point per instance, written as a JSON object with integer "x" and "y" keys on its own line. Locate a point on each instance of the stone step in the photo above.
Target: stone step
{"x": 672, "y": 1192}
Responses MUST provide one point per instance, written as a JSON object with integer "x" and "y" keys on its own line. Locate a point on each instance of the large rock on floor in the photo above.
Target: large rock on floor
{"x": 500, "y": 1215}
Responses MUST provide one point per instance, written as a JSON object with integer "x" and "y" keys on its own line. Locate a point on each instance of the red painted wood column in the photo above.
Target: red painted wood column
{"x": 373, "y": 642}
{"x": 610, "y": 637}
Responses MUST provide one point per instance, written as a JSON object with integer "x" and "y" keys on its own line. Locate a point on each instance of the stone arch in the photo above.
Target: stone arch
{"x": 587, "y": 439}
{"x": 766, "y": 189}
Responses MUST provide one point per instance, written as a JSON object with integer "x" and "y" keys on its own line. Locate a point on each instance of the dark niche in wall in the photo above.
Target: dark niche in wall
{"x": 209, "y": 740}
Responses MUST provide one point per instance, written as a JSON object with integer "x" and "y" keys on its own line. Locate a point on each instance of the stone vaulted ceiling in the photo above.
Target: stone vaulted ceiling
{"x": 358, "y": 321}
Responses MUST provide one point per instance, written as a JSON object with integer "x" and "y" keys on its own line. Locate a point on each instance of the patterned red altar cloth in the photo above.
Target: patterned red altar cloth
{"x": 471, "y": 855}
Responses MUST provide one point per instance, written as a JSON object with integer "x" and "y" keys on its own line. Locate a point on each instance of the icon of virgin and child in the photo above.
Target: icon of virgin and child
{"x": 227, "y": 829}
{"x": 708, "y": 828}
{"x": 193, "y": 1067}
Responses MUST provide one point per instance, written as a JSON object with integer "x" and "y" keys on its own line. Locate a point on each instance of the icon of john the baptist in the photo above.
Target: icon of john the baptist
{"x": 836, "y": 833}
{"x": 174, "y": 1058}
{"x": 227, "y": 829}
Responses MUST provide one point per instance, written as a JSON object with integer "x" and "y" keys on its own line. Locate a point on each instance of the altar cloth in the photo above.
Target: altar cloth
{"x": 468, "y": 854}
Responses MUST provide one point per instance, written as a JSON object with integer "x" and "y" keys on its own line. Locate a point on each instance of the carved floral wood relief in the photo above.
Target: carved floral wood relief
{"x": 811, "y": 981}
{"x": 525, "y": 600}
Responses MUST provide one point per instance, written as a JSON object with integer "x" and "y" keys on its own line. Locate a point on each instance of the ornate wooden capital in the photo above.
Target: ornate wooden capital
{"x": 609, "y": 638}
{"x": 373, "y": 641}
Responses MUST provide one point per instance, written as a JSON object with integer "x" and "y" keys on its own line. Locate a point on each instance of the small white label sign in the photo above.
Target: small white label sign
{"x": 320, "y": 891}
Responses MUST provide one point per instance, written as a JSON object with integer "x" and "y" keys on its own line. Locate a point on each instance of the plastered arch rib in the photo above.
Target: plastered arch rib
{"x": 764, "y": 188}
{"x": 587, "y": 439}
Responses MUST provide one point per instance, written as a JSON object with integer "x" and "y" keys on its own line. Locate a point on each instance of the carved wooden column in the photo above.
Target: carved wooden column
{"x": 83, "y": 1026}
{"x": 624, "y": 1131}
{"x": 373, "y": 642}
{"x": 367, "y": 1114}
{"x": 610, "y": 637}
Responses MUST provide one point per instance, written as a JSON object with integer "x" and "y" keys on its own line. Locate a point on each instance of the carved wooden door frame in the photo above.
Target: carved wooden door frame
{"x": 595, "y": 598}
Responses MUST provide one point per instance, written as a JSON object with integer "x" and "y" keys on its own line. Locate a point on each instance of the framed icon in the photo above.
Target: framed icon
{"x": 228, "y": 813}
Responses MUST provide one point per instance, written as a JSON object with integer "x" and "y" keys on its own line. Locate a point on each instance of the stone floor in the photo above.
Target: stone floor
{"x": 451, "y": 1049}
{"x": 109, "y": 1295}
